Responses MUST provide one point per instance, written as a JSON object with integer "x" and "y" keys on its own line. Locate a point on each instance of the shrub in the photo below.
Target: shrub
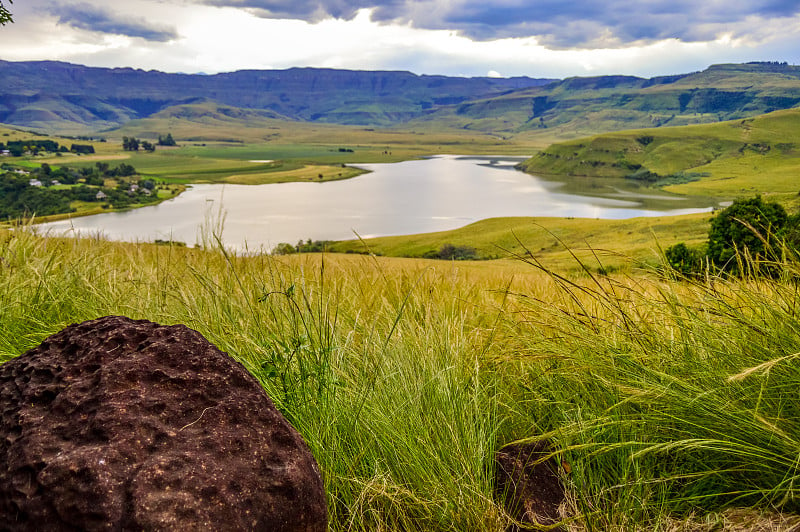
{"x": 685, "y": 260}
{"x": 283, "y": 249}
{"x": 748, "y": 225}
{"x": 451, "y": 252}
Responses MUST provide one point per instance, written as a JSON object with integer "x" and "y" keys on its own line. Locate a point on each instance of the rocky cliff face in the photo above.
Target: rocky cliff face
{"x": 113, "y": 96}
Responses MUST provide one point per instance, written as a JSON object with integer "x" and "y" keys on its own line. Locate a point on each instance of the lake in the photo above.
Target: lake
{"x": 434, "y": 194}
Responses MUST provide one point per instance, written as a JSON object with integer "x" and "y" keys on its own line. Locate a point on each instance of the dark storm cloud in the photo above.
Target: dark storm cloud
{"x": 88, "y": 17}
{"x": 561, "y": 23}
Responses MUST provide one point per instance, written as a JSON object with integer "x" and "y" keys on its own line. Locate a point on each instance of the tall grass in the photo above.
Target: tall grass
{"x": 671, "y": 397}
{"x": 666, "y": 398}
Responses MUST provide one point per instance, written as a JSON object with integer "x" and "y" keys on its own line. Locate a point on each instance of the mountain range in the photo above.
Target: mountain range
{"x": 58, "y": 97}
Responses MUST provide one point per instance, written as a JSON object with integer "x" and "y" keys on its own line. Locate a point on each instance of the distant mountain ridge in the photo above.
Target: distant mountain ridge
{"x": 55, "y": 96}
{"x": 581, "y": 106}
{"x": 61, "y": 97}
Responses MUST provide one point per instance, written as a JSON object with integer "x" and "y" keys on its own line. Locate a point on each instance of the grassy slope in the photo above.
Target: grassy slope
{"x": 617, "y": 243}
{"x": 755, "y": 155}
{"x": 212, "y": 122}
{"x": 665, "y": 399}
{"x": 11, "y": 133}
{"x": 580, "y": 107}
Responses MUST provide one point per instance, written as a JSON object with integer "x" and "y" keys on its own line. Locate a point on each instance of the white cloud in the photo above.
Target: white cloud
{"x": 216, "y": 39}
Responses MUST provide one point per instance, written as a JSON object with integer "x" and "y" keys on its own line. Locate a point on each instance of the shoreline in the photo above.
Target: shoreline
{"x": 36, "y": 220}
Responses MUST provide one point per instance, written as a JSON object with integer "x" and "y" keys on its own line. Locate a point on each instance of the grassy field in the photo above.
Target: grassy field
{"x": 605, "y": 244}
{"x": 214, "y": 149}
{"x": 673, "y": 402}
{"x": 729, "y": 159}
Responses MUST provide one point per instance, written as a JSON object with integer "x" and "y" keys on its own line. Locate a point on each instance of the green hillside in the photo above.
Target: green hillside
{"x": 62, "y": 98}
{"x": 56, "y": 97}
{"x": 579, "y": 106}
{"x": 745, "y": 156}
{"x": 616, "y": 244}
{"x": 210, "y": 121}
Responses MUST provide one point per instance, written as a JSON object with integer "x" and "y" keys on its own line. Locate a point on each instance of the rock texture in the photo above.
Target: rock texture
{"x": 115, "y": 424}
{"x": 528, "y": 485}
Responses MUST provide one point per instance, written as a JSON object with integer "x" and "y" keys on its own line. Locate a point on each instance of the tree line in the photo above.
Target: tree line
{"x": 750, "y": 233}
{"x": 18, "y": 148}
{"x": 133, "y": 144}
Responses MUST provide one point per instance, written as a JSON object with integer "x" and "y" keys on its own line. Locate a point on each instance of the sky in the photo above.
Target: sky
{"x": 536, "y": 38}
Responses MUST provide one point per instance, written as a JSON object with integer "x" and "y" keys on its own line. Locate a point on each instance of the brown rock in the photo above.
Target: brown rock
{"x": 115, "y": 424}
{"x": 527, "y": 484}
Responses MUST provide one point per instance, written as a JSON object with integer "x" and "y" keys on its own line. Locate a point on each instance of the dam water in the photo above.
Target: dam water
{"x": 433, "y": 194}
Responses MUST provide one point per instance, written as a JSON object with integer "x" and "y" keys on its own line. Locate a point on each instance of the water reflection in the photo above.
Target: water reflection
{"x": 433, "y": 194}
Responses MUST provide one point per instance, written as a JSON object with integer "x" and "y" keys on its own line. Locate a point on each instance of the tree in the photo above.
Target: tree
{"x": 283, "y": 249}
{"x": 5, "y": 16}
{"x": 166, "y": 141}
{"x": 148, "y": 146}
{"x": 82, "y": 148}
{"x": 684, "y": 259}
{"x": 748, "y": 224}
{"x": 123, "y": 170}
{"x": 130, "y": 144}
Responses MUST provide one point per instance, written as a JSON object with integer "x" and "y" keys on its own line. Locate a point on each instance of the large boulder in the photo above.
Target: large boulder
{"x": 115, "y": 424}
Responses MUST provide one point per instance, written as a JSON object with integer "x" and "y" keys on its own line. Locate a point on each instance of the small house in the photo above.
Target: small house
{"x": 101, "y": 195}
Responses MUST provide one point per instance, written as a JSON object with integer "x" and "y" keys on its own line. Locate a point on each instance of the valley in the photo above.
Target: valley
{"x": 667, "y": 397}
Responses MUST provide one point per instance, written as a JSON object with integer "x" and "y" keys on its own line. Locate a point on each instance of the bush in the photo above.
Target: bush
{"x": 748, "y": 225}
{"x": 684, "y": 259}
{"x": 451, "y": 252}
{"x": 283, "y": 249}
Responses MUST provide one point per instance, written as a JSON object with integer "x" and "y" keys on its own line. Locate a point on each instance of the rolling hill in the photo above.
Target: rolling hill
{"x": 732, "y": 158}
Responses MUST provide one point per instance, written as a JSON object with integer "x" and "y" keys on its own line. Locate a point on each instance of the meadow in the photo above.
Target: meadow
{"x": 671, "y": 403}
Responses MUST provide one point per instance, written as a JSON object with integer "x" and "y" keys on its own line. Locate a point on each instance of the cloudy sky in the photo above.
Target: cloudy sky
{"x": 538, "y": 38}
